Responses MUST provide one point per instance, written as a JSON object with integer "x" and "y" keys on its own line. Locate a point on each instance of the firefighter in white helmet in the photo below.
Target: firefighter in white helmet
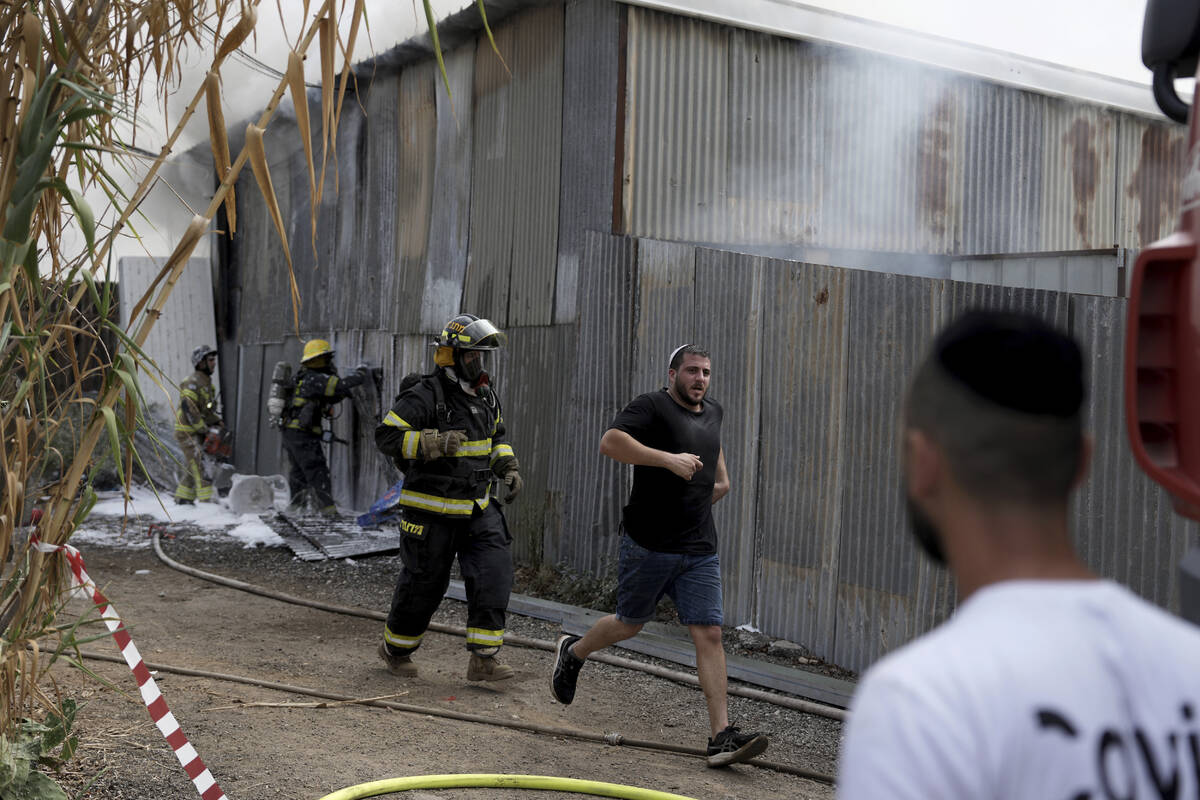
{"x": 195, "y": 416}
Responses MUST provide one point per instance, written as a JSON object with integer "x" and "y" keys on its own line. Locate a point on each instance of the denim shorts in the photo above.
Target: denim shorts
{"x": 693, "y": 582}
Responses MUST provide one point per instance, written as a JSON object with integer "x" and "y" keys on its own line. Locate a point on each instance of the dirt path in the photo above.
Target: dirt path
{"x": 306, "y": 753}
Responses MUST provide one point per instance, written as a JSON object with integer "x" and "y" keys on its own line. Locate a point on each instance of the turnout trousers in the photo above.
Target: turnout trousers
{"x": 428, "y": 545}
{"x": 193, "y": 483}
{"x": 309, "y": 471}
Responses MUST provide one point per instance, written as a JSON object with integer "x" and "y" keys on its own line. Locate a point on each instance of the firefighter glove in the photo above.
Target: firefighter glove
{"x": 507, "y": 468}
{"x": 435, "y": 443}
{"x": 512, "y": 479}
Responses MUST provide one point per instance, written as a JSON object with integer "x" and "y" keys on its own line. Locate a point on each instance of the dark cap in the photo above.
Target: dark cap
{"x": 1014, "y": 360}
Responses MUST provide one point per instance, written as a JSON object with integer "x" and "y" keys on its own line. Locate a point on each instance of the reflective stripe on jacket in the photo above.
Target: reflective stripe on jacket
{"x": 315, "y": 393}
{"x": 197, "y": 410}
{"x": 451, "y": 485}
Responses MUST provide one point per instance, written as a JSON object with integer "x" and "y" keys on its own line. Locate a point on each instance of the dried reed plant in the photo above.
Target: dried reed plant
{"x": 75, "y": 76}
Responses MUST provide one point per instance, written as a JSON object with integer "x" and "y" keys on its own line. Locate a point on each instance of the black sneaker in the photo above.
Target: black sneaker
{"x": 566, "y": 670}
{"x": 731, "y": 746}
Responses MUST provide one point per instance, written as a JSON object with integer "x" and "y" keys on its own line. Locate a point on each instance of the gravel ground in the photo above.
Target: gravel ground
{"x": 268, "y": 641}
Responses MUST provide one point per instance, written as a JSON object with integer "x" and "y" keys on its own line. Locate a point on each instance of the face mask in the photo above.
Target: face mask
{"x": 470, "y": 368}
{"x": 925, "y": 532}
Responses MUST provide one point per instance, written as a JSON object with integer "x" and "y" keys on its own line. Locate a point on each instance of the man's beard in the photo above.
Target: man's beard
{"x": 682, "y": 388}
{"x": 925, "y": 532}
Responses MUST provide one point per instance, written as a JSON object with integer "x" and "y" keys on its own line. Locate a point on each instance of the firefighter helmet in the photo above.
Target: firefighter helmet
{"x": 461, "y": 343}
{"x": 469, "y": 332}
{"x": 315, "y": 348}
{"x": 200, "y": 353}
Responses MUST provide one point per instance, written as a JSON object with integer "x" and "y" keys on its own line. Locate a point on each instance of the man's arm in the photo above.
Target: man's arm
{"x": 721, "y": 487}
{"x": 620, "y": 446}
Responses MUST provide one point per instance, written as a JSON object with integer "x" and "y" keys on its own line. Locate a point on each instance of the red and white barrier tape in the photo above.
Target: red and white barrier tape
{"x": 205, "y": 784}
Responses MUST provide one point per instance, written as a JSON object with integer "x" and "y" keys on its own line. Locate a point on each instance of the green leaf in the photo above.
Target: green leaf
{"x": 87, "y": 501}
{"x": 488, "y": 29}
{"x": 437, "y": 46}
{"x": 35, "y": 117}
{"x": 40, "y": 787}
{"x": 83, "y": 212}
{"x": 114, "y": 439}
{"x": 131, "y": 385}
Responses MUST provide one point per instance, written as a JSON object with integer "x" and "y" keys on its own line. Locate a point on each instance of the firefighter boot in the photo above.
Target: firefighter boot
{"x": 487, "y": 668}
{"x": 402, "y": 666}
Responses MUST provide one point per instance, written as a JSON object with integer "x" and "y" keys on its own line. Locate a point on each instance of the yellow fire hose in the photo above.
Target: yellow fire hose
{"x": 543, "y": 782}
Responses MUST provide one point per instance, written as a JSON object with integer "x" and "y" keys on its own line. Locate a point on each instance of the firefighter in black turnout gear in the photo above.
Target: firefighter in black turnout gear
{"x": 316, "y": 388}
{"x": 446, "y": 433}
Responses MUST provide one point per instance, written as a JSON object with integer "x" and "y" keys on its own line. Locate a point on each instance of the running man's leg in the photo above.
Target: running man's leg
{"x": 710, "y": 668}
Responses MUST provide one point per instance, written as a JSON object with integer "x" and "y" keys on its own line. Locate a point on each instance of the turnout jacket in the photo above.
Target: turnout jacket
{"x": 197, "y": 410}
{"x": 452, "y": 486}
{"x": 314, "y": 393}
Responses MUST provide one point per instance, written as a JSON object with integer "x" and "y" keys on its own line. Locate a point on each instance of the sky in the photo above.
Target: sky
{"x": 1103, "y": 36}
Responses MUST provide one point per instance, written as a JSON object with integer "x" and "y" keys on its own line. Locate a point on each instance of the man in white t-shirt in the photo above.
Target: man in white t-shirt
{"x": 1047, "y": 682}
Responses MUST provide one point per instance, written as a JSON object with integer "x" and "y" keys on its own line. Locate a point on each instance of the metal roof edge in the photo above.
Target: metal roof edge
{"x": 798, "y": 21}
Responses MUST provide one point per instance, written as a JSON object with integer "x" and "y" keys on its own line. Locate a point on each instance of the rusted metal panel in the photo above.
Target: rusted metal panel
{"x": 891, "y": 153}
{"x": 738, "y": 137}
{"x": 449, "y": 223}
{"x": 516, "y": 156}
{"x": 1079, "y": 158}
{"x": 729, "y": 320}
{"x": 600, "y": 381}
{"x": 801, "y": 466}
{"x": 592, "y": 81}
{"x": 1152, "y": 157}
{"x": 666, "y": 274}
{"x": 677, "y": 128}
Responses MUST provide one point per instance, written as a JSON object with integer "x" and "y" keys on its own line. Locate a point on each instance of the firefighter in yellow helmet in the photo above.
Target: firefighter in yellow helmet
{"x": 196, "y": 414}
{"x": 447, "y": 434}
{"x": 316, "y": 389}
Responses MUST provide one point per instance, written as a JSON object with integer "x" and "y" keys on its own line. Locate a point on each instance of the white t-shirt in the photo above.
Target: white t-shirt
{"x": 1033, "y": 690}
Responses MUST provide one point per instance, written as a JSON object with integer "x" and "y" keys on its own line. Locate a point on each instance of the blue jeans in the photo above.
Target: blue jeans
{"x": 693, "y": 582}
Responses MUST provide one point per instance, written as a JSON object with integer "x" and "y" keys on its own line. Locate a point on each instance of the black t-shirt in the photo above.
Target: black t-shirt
{"x": 666, "y": 513}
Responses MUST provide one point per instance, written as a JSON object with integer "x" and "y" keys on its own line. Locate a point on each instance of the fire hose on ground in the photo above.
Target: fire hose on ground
{"x": 544, "y": 782}
{"x": 796, "y": 704}
{"x": 615, "y": 739}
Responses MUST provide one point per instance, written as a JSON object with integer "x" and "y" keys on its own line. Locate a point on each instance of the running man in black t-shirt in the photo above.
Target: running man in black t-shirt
{"x": 672, "y": 438}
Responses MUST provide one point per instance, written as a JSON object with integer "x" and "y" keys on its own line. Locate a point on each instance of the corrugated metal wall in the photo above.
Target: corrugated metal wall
{"x": 811, "y": 364}
{"x": 739, "y": 137}
{"x": 491, "y": 202}
{"x": 187, "y": 322}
